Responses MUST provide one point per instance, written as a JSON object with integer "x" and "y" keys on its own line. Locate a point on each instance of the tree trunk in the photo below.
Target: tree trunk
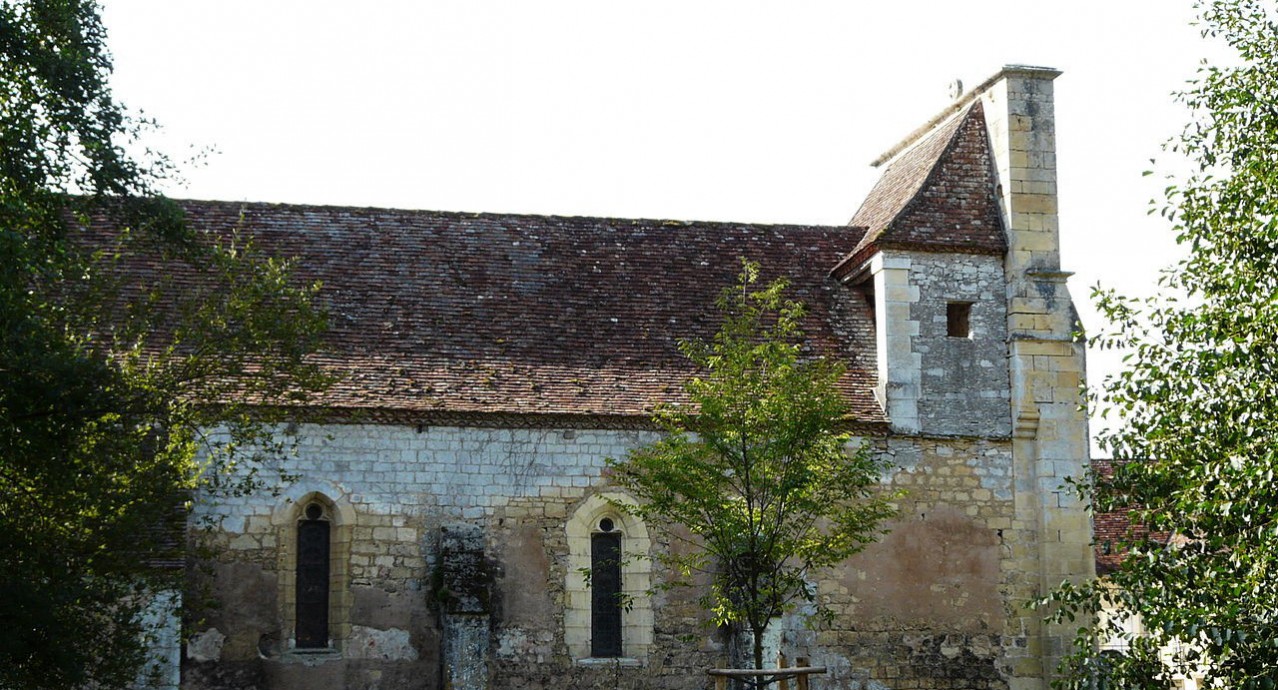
{"x": 758, "y": 649}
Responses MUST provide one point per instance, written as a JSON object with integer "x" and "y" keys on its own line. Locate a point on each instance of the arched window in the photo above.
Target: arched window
{"x": 314, "y": 551}
{"x": 314, "y": 533}
{"x": 606, "y": 603}
{"x": 611, "y": 615}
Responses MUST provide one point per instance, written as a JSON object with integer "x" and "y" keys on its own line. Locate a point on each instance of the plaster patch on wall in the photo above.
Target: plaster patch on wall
{"x": 206, "y": 646}
{"x": 373, "y": 643}
{"x": 515, "y": 643}
{"x": 511, "y": 642}
{"x": 903, "y": 455}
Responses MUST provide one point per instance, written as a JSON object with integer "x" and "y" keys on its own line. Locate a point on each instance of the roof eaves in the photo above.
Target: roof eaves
{"x": 862, "y": 424}
{"x": 856, "y": 264}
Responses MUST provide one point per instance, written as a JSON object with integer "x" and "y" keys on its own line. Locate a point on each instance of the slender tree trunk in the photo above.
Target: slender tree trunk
{"x": 758, "y": 649}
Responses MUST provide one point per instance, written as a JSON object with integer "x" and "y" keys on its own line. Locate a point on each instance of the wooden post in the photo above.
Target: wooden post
{"x": 780, "y": 675}
{"x": 781, "y": 663}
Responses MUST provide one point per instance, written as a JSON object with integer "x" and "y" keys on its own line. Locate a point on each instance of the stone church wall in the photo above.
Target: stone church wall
{"x": 964, "y": 387}
{"x": 933, "y": 605}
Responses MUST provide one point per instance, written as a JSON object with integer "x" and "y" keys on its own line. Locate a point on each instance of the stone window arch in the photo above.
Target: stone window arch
{"x": 314, "y": 533}
{"x": 593, "y": 528}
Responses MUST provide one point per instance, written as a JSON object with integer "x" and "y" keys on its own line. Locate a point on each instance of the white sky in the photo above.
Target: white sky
{"x": 690, "y": 109}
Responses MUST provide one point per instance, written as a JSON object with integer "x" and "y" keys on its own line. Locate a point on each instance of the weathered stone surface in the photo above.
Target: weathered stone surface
{"x": 466, "y": 651}
{"x": 372, "y": 643}
{"x": 206, "y": 645}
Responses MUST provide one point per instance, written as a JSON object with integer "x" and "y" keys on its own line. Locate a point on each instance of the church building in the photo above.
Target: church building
{"x": 447, "y": 491}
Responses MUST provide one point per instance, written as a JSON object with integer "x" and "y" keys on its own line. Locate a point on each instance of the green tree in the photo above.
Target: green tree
{"x": 1196, "y": 451}
{"x": 757, "y": 468}
{"x": 123, "y": 334}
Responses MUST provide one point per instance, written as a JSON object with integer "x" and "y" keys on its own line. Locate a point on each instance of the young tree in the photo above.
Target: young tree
{"x": 122, "y": 334}
{"x": 758, "y": 466}
{"x": 1196, "y": 455}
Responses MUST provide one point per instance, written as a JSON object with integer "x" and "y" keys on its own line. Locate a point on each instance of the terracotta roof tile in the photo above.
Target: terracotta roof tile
{"x": 1110, "y": 530}
{"x": 436, "y": 312}
{"x": 938, "y": 195}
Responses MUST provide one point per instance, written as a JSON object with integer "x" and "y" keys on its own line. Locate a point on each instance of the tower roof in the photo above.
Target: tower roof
{"x": 936, "y": 195}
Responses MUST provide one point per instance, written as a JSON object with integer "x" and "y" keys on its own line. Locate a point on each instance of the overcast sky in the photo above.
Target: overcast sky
{"x": 742, "y": 111}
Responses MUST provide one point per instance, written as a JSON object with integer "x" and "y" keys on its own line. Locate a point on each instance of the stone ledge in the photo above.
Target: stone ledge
{"x": 608, "y": 662}
{"x": 310, "y": 657}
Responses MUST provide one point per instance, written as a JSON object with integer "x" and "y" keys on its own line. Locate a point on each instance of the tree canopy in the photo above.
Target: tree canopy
{"x": 757, "y": 471}
{"x": 1195, "y": 453}
{"x": 123, "y": 335}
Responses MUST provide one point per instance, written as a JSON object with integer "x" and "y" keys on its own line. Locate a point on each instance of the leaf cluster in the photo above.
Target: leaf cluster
{"x": 1195, "y": 455}
{"x": 758, "y": 467}
{"x": 118, "y": 349}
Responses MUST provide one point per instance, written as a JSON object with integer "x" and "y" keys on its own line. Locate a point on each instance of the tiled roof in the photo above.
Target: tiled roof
{"x": 1110, "y": 530}
{"x": 938, "y": 195}
{"x": 494, "y": 314}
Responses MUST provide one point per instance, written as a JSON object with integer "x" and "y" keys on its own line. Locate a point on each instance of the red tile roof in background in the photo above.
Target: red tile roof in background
{"x": 1108, "y": 528}
{"x": 1112, "y": 528}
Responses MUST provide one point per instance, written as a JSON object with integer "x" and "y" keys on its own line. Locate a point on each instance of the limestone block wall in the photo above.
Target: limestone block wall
{"x": 899, "y": 386}
{"x": 964, "y": 383}
{"x": 938, "y": 603}
{"x": 392, "y": 489}
{"x": 1046, "y": 358}
{"x": 929, "y": 381}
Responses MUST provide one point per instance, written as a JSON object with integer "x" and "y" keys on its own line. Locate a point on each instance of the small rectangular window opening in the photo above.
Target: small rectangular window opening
{"x": 958, "y": 319}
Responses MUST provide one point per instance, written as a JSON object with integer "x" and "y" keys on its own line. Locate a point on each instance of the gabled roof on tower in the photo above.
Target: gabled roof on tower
{"x": 938, "y": 195}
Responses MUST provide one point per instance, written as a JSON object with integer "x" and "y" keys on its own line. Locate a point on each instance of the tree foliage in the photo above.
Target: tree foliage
{"x": 123, "y": 335}
{"x": 1195, "y": 455}
{"x": 757, "y": 471}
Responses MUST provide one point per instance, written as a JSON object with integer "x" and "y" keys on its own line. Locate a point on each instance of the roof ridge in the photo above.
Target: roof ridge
{"x": 663, "y": 222}
{"x": 972, "y": 94}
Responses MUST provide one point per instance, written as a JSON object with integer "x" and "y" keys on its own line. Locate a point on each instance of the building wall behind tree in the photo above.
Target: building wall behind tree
{"x": 928, "y": 605}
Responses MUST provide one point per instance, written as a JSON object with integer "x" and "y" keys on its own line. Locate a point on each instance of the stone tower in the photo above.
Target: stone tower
{"x": 976, "y": 332}
{"x": 1046, "y": 356}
